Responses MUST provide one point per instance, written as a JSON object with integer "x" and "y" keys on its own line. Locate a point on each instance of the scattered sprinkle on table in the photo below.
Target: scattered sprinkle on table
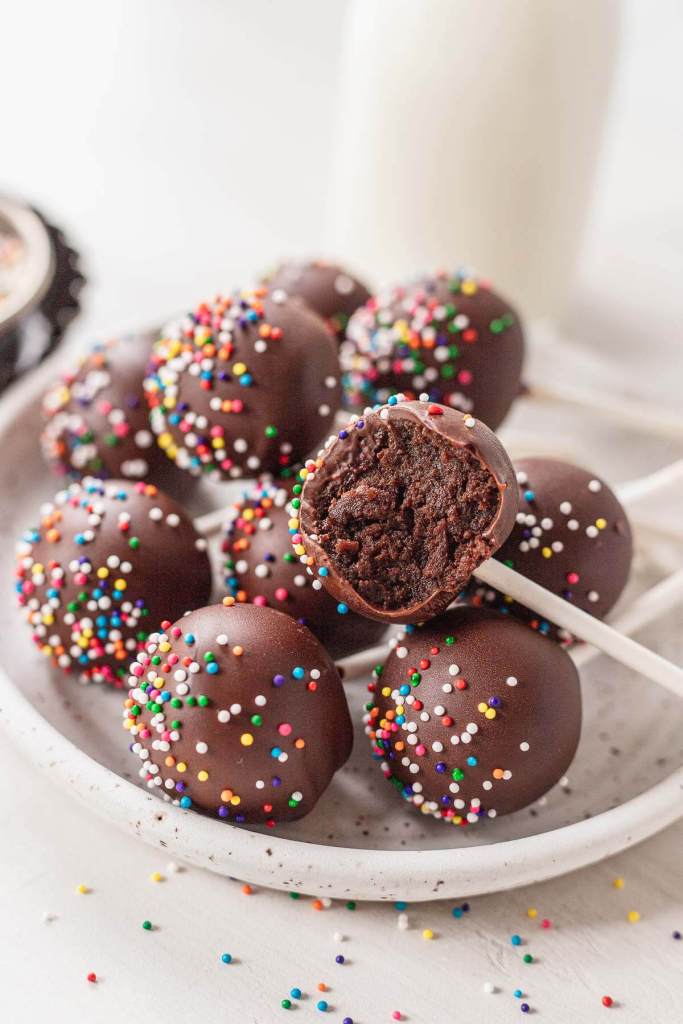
{"x": 532, "y": 912}
{"x": 634, "y": 916}
{"x": 83, "y": 889}
{"x": 92, "y": 977}
{"x": 156, "y": 876}
{"x": 427, "y": 934}
{"x": 607, "y": 1001}
{"x": 226, "y": 958}
{"x": 618, "y": 883}
{"x": 516, "y": 940}
{"x": 147, "y": 925}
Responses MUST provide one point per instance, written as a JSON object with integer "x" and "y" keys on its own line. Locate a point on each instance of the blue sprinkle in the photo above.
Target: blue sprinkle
{"x": 185, "y": 802}
{"x": 226, "y": 958}
{"x": 342, "y": 608}
{"x": 298, "y": 672}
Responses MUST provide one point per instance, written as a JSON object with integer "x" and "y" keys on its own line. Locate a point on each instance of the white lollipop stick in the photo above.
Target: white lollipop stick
{"x": 647, "y": 418}
{"x": 633, "y": 491}
{"x": 211, "y": 522}
{"x": 656, "y": 601}
{"x": 582, "y": 625}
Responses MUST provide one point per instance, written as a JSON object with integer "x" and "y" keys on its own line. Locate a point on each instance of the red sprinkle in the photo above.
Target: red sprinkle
{"x": 607, "y": 1001}
{"x": 92, "y": 976}
{"x": 433, "y": 410}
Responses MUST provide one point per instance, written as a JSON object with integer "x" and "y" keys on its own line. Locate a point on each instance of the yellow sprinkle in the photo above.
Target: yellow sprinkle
{"x": 633, "y": 916}
{"x": 156, "y": 876}
{"x": 482, "y": 707}
{"x": 601, "y": 523}
{"x": 102, "y": 573}
{"x": 618, "y": 883}
{"x": 235, "y": 800}
{"x": 386, "y": 691}
{"x": 228, "y": 601}
{"x": 246, "y": 739}
{"x": 428, "y": 933}
{"x": 532, "y": 912}
{"x": 547, "y": 552}
{"x": 239, "y": 369}
{"x": 202, "y": 775}
{"x": 299, "y": 549}
{"x": 181, "y": 767}
{"x": 83, "y": 889}
{"x": 490, "y": 713}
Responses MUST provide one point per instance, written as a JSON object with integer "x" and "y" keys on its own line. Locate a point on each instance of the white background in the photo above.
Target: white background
{"x": 185, "y": 146}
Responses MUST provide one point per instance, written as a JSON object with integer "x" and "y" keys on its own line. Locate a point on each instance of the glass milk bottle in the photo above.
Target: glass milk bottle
{"x": 468, "y": 133}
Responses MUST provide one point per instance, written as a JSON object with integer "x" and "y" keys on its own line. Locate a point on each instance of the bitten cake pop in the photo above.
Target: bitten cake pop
{"x": 327, "y": 288}
{"x": 449, "y": 336}
{"x": 244, "y": 385}
{"x": 239, "y": 712}
{"x": 400, "y": 508}
{"x": 572, "y": 536}
{"x": 97, "y": 419}
{"x": 474, "y": 715}
{"x": 109, "y": 561}
{"x": 261, "y": 568}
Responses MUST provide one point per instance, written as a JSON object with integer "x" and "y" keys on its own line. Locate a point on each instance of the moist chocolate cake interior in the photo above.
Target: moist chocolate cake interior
{"x": 401, "y": 512}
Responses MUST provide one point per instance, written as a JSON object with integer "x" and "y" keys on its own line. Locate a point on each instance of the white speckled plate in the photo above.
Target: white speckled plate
{"x": 361, "y": 841}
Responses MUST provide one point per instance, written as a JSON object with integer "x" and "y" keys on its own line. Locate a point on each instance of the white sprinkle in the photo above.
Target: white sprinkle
{"x": 511, "y": 680}
{"x": 489, "y": 988}
{"x": 594, "y": 486}
{"x": 524, "y": 746}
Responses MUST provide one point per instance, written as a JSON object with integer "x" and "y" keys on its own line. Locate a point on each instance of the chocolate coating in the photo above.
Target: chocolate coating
{"x": 475, "y": 716}
{"x": 109, "y": 562}
{"x": 244, "y": 717}
{"x": 448, "y": 336}
{"x": 401, "y": 507}
{"x": 245, "y": 385}
{"x": 572, "y": 536}
{"x": 332, "y": 292}
{"x": 97, "y": 419}
{"x": 261, "y": 568}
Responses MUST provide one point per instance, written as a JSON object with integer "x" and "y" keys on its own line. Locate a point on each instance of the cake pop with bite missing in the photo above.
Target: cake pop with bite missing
{"x": 400, "y": 508}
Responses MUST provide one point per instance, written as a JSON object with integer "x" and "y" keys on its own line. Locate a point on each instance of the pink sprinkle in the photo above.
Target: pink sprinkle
{"x": 284, "y": 728}
{"x": 260, "y": 601}
{"x": 281, "y": 594}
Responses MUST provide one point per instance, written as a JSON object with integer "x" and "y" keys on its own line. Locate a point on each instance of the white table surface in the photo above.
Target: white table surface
{"x": 50, "y": 846}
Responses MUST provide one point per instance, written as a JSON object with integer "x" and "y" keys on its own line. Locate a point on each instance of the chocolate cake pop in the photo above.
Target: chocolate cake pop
{"x": 327, "y": 288}
{"x": 401, "y": 507}
{"x": 475, "y": 716}
{"x": 572, "y": 536}
{"x": 109, "y": 561}
{"x": 244, "y": 385}
{"x": 239, "y": 712}
{"x": 97, "y": 419}
{"x": 449, "y": 336}
{"x": 261, "y": 568}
